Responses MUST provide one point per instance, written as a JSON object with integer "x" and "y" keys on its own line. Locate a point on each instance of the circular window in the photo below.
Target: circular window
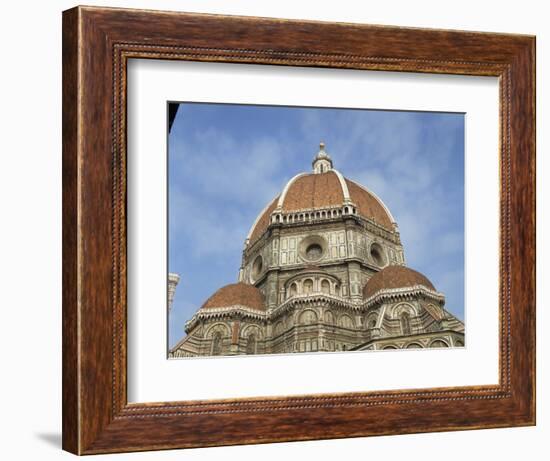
{"x": 312, "y": 248}
{"x": 376, "y": 253}
{"x": 314, "y": 252}
{"x": 257, "y": 267}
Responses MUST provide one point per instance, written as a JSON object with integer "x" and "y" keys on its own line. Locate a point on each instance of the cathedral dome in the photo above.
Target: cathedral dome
{"x": 236, "y": 294}
{"x": 324, "y": 188}
{"x": 392, "y": 277}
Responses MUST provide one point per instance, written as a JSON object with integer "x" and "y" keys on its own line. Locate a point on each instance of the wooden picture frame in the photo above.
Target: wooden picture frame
{"x": 97, "y": 43}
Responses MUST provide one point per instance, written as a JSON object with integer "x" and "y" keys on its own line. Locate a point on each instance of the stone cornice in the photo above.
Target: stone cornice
{"x": 305, "y": 272}
{"x": 366, "y": 223}
{"x": 224, "y": 312}
{"x": 398, "y": 294}
{"x": 409, "y": 338}
{"x": 313, "y": 299}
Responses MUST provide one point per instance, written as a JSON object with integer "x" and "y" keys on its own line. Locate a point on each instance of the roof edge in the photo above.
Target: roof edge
{"x": 378, "y": 199}
{"x": 282, "y": 197}
{"x": 264, "y": 210}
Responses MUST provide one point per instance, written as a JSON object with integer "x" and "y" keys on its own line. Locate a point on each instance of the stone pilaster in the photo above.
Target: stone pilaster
{"x": 173, "y": 280}
{"x": 235, "y": 333}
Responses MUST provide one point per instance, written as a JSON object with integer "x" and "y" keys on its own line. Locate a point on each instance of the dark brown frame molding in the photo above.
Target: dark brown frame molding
{"x": 97, "y": 43}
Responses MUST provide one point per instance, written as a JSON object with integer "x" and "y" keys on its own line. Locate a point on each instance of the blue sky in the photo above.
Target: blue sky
{"x": 226, "y": 162}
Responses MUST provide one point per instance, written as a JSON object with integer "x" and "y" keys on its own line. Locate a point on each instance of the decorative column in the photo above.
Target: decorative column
{"x": 235, "y": 333}
{"x": 173, "y": 280}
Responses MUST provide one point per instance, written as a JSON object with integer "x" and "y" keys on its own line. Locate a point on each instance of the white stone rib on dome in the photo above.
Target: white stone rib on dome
{"x": 378, "y": 199}
{"x": 287, "y": 187}
{"x": 256, "y": 221}
{"x": 345, "y": 190}
{"x": 343, "y": 185}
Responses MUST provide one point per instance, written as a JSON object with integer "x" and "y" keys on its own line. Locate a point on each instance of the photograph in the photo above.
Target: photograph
{"x": 313, "y": 229}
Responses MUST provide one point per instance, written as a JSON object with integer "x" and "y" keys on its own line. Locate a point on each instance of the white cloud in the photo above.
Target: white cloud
{"x": 211, "y": 233}
{"x": 224, "y": 167}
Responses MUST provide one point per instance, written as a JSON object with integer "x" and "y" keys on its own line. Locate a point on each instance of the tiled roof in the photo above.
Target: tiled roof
{"x": 395, "y": 277}
{"x": 368, "y": 206}
{"x": 263, "y": 221}
{"x": 236, "y": 294}
{"x": 310, "y": 191}
{"x": 314, "y": 191}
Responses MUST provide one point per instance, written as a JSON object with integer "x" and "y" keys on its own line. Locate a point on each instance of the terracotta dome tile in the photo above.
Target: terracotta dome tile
{"x": 314, "y": 191}
{"x": 392, "y": 277}
{"x": 263, "y": 221}
{"x": 236, "y": 294}
{"x": 368, "y": 206}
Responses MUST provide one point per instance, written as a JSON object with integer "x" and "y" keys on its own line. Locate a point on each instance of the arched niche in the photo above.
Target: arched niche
{"x": 345, "y": 321}
{"x": 438, "y": 344}
{"x": 329, "y": 317}
{"x": 308, "y": 317}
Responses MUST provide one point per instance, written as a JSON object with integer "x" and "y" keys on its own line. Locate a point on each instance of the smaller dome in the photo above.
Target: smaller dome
{"x": 235, "y": 294}
{"x": 395, "y": 277}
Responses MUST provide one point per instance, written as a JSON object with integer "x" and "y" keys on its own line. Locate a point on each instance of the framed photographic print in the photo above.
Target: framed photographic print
{"x": 285, "y": 230}
{"x": 323, "y": 267}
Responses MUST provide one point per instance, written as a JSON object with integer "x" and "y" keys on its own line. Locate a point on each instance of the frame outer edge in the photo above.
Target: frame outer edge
{"x": 91, "y": 419}
{"x": 70, "y": 190}
{"x": 524, "y": 169}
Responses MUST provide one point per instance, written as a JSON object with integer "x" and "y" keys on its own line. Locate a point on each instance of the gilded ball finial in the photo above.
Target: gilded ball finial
{"x": 321, "y": 145}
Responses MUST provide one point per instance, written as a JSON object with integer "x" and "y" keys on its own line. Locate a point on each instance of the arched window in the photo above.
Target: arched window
{"x": 278, "y": 328}
{"x": 325, "y": 286}
{"x": 371, "y": 323}
{"x": 345, "y": 321}
{"x": 257, "y": 266}
{"x": 308, "y": 286}
{"x": 414, "y": 346}
{"x": 307, "y": 317}
{"x": 376, "y": 253}
{"x": 293, "y": 289}
{"x": 439, "y": 343}
{"x": 434, "y": 311}
{"x": 251, "y": 344}
{"x": 217, "y": 343}
{"x": 405, "y": 324}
